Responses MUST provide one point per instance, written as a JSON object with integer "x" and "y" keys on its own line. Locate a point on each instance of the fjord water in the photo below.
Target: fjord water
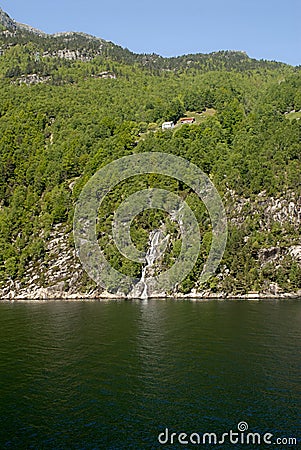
{"x": 113, "y": 375}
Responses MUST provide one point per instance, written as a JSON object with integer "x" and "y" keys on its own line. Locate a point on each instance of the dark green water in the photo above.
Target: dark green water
{"x": 115, "y": 375}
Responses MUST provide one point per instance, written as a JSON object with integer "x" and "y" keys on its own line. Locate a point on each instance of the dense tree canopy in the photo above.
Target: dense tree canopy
{"x": 62, "y": 119}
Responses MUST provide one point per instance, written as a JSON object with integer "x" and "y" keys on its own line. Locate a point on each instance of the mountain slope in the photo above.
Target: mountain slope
{"x": 72, "y": 103}
{"x": 6, "y": 21}
{"x": 10, "y": 24}
{"x": 223, "y": 60}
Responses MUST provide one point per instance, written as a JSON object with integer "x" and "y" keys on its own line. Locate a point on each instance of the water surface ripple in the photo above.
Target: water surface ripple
{"x": 113, "y": 375}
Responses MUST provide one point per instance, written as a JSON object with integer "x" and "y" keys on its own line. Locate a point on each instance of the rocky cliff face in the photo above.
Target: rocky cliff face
{"x": 84, "y": 47}
{"x": 286, "y": 209}
{"x": 6, "y": 21}
{"x": 11, "y": 25}
{"x": 96, "y": 46}
{"x": 59, "y": 273}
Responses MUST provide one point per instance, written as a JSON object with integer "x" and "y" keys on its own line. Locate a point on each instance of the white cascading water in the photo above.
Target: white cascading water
{"x": 157, "y": 246}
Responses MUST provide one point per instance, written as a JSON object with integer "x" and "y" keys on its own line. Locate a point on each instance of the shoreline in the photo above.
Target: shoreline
{"x": 105, "y": 297}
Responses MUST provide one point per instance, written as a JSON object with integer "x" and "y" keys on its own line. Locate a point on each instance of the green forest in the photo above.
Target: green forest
{"x": 70, "y": 105}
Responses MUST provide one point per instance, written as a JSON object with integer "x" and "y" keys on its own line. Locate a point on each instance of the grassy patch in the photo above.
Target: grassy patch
{"x": 293, "y": 115}
{"x": 198, "y": 116}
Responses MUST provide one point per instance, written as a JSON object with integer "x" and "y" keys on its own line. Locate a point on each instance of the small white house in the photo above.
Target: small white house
{"x": 167, "y": 125}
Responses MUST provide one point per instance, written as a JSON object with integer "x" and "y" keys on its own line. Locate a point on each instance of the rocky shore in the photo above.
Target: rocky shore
{"x": 58, "y": 274}
{"x": 44, "y": 294}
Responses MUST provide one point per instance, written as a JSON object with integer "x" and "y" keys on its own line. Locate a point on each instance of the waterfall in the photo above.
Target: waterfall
{"x": 157, "y": 245}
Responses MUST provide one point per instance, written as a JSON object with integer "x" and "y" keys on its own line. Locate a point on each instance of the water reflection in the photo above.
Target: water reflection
{"x": 114, "y": 374}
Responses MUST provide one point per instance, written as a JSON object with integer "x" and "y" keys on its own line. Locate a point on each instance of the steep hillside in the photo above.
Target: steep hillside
{"x": 81, "y": 46}
{"x": 72, "y": 103}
